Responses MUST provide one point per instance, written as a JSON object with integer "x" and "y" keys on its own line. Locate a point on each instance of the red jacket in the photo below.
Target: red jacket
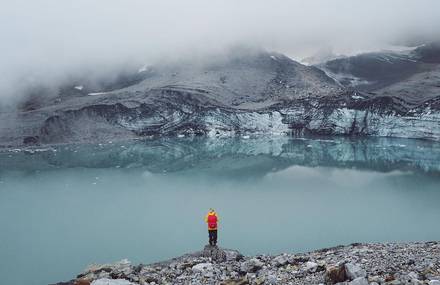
{"x": 211, "y": 219}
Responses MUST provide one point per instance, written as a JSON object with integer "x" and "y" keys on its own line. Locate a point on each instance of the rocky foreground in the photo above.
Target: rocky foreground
{"x": 356, "y": 264}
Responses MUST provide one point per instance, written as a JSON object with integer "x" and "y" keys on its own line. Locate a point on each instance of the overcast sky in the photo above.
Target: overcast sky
{"x": 43, "y": 41}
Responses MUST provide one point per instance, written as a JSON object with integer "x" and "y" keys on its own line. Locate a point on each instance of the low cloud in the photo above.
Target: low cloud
{"x": 47, "y": 42}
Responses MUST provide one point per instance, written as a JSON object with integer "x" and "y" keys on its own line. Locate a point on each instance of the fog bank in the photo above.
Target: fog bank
{"x": 47, "y": 42}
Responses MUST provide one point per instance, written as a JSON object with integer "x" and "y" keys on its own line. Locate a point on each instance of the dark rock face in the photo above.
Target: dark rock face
{"x": 31, "y": 140}
{"x": 352, "y": 114}
{"x": 428, "y": 53}
{"x": 372, "y": 71}
{"x": 214, "y": 252}
{"x": 412, "y": 76}
{"x": 253, "y": 93}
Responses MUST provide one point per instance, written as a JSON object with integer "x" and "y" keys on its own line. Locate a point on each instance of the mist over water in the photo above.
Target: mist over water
{"x": 66, "y": 207}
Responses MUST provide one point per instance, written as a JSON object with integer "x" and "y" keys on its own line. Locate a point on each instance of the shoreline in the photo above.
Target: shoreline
{"x": 354, "y": 264}
{"x": 241, "y": 136}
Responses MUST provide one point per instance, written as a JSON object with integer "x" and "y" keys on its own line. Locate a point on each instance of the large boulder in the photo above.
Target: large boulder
{"x": 233, "y": 255}
{"x": 251, "y": 266}
{"x": 202, "y": 267}
{"x": 310, "y": 266}
{"x": 354, "y": 271}
{"x": 215, "y": 253}
{"x": 335, "y": 274}
{"x": 280, "y": 260}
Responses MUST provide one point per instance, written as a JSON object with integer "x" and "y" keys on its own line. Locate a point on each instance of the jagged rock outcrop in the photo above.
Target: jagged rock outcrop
{"x": 351, "y": 114}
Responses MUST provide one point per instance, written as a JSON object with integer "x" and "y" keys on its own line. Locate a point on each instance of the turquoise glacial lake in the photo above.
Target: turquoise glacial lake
{"x": 65, "y": 207}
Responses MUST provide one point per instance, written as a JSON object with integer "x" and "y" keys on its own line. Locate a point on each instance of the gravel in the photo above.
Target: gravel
{"x": 355, "y": 264}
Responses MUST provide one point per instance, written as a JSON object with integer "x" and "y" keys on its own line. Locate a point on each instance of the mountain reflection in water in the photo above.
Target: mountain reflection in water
{"x": 145, "y": 200}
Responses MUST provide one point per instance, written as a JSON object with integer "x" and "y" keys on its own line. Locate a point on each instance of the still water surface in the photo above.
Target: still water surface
{"x": 66, "y": 207}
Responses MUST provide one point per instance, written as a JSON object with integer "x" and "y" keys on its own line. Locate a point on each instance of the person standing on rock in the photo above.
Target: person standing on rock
{"x": 212, "y": 219}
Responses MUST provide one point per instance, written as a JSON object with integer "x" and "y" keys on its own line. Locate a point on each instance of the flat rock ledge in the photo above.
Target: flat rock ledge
{"x": 355, "y": 264}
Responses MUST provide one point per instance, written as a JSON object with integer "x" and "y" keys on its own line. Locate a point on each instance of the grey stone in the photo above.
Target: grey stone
{"x": 252, "y": 265}
{"x": 375, "y": 279}
{"x": 106, "y": 281}
{"x": 354, "y": 271}
{"x": 280, "y": 260}
{"x": 202, "y": 267}
{"x": 359, "y": 281}
{"x": 215, "y": 253}
{"x": 232, "y": 255}
{"x": 272, "y": 279}
{"x": 310, "y": 266}
{"x": 385, "y": 263}
{"x": 413, "y": 275}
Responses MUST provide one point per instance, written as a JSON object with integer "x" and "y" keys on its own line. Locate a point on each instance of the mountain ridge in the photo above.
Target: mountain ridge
{"x": 258, "y": 93}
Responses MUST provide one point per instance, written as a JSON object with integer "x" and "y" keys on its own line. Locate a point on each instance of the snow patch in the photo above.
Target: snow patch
{"x": 79, "y": 87}
{"x": 97, "y": 93}
{"x": 143, "y": 68}
{"x": 357, "y": 97}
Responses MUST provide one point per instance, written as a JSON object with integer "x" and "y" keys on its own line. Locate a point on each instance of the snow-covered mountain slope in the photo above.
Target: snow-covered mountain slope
{"x": 411, "y": 75}
{"x": 255, "y": 93}
{"x": 415, "y": 89}
{"x": 241, "y": 79}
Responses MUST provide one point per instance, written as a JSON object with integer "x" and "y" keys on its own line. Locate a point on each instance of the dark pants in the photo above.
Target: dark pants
{"x": 212, "y": 237}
